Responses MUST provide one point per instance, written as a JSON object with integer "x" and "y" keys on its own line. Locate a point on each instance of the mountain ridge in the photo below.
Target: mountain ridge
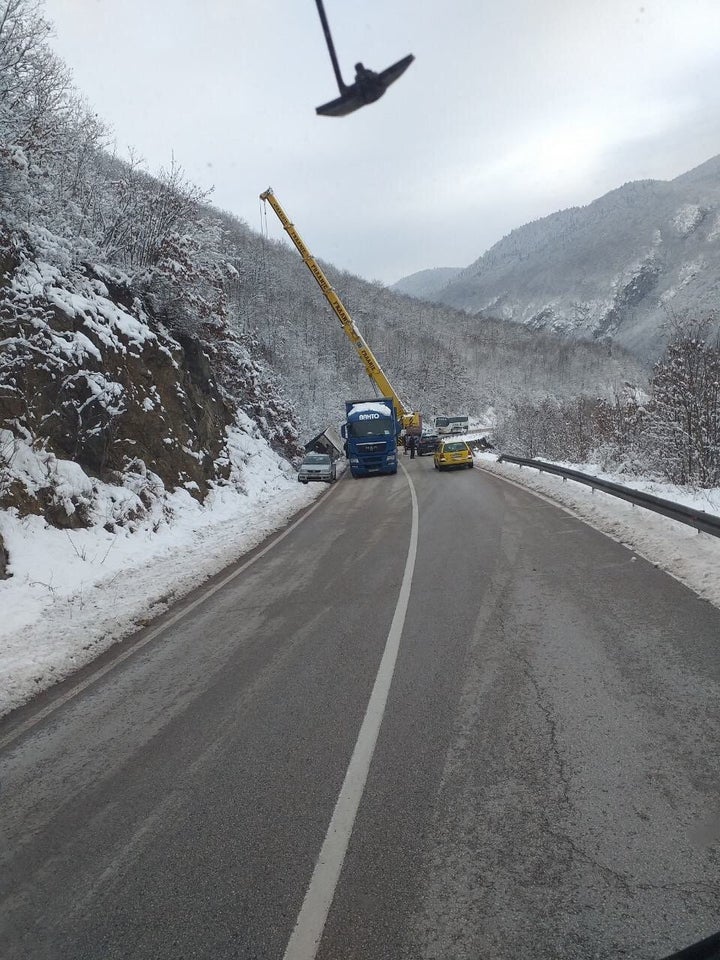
{"x": 425, "y": 283}
{"x": 619, "y": 267}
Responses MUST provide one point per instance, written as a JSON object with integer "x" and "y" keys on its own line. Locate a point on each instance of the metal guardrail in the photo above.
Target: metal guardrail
{"x": 707, "y": 522}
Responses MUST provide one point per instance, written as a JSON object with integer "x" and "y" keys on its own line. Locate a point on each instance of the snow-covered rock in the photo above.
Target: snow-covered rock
{"x": 95, "y": 390}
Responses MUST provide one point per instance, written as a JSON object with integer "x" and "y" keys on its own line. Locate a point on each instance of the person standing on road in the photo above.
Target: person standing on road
{"x": 412, "y": 444}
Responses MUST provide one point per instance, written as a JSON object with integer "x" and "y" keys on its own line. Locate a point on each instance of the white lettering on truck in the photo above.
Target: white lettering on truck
{"x": 369, "y": 416}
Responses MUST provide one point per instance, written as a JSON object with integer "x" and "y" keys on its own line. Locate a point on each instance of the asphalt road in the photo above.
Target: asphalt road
{"x": 545, "y": 783}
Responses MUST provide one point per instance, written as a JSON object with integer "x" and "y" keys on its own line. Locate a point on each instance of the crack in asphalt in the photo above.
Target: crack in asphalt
{"x": 549, "y": 715}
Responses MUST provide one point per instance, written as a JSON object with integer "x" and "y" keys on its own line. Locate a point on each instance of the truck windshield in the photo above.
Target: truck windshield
{"x": 371, "y": 428}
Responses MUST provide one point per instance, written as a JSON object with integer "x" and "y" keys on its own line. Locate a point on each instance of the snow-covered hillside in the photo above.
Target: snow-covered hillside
{"x": 89, "y": 375}
{"x": 425, "y": 284}
{"x": 616, "y": 268}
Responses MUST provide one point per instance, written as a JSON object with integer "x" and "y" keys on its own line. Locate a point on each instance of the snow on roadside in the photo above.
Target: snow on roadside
{"x": 73, "y": 593}
{"x": 692, "y": 558}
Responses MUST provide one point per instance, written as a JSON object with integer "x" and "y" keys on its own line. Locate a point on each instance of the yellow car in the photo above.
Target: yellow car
{"x": 453, "y": 453}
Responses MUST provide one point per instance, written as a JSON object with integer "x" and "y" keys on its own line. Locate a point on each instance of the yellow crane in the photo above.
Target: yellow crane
{"x": 410, "y": 421}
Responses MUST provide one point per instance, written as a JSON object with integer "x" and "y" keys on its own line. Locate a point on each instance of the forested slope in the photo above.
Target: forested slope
{"x": 617, "y": 268}
{"x": 442, "y": 360}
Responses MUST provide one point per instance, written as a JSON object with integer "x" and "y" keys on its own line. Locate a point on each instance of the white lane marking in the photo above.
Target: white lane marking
{"x": 20, "y": 730}
{"x": 305, "y": 939}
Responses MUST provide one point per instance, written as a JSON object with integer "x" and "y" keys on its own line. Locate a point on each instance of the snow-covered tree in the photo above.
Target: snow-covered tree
{"x": 683, "y": 427}
{"x": 49, "y": 137}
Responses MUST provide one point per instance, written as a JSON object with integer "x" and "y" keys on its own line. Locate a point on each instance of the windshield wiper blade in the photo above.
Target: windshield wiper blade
{"x": 367, "y": 87}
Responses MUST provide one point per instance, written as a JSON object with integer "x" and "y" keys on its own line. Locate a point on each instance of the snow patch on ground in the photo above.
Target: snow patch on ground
{"x": 688, "y": 271}
{"x": 714, "y": 233}
{"x": 688, "y": 218}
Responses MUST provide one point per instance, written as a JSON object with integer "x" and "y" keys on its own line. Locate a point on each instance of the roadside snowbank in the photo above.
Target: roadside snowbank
{"x": 73, "y": 593}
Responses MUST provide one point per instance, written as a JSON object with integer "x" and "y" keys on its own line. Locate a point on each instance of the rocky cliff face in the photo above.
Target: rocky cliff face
{"x": 618, "y": 268}
{"x": 95, "y": 390}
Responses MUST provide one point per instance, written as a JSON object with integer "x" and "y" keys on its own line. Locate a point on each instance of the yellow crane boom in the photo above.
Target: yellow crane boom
{"x": 407, "y": 418}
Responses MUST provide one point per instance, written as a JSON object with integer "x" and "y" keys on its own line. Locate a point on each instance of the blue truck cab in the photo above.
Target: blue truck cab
{"x": 371, "y": 430}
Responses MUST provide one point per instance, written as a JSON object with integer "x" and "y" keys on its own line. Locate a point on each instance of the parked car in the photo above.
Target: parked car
{"x": 453, "y": 453}
{"x": 427, "y": 443}
{"x": 317, "y": 466}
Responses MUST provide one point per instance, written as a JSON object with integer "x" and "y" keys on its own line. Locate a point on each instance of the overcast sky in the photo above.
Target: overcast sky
{"x": 513, "y": 109}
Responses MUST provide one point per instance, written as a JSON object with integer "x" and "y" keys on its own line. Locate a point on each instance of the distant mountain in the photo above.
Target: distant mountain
{"x": 617, "y": 268}
{"x": 425, "y": 284}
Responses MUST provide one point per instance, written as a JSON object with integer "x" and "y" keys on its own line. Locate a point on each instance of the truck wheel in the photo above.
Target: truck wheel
{"x": 303, "y": 481}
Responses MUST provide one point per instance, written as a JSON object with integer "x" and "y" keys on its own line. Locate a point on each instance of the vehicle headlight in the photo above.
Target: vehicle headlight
{"x": 354, "y": 460}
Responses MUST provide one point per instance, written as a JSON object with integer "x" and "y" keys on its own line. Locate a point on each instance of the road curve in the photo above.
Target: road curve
{"x": 544, "y": 783}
